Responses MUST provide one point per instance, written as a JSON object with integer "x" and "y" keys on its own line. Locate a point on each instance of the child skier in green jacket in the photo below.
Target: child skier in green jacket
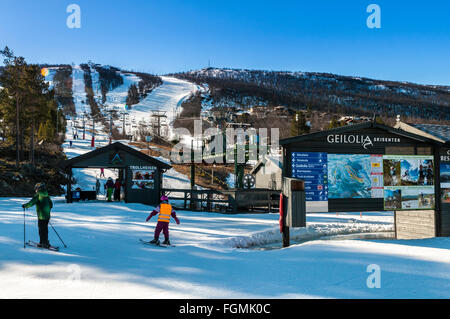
{"x": 43, "y": 207}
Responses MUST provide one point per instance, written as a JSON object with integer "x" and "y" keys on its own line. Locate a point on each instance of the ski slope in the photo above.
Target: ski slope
{"x": 86, "y": 178}
{"x": 167, "y": 98}
{"x": 118, "y": 96}
{"x": 79, "y": 92}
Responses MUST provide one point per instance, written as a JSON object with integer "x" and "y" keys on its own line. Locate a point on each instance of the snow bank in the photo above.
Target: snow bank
{"x": 311, "y": 231}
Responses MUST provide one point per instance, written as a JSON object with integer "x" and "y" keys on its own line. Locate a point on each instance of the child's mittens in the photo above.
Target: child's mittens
{"x": 148, "y": 218}
{"x": 178, "y": 221}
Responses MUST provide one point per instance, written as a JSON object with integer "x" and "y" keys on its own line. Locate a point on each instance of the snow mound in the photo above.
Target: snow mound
{"x": 311, "y": 231}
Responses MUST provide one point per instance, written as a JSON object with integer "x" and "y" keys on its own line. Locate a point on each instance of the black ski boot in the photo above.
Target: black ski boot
{"x": 46, "y": 245}
{"x": 166, "y": 242}
{"x": 155, "y": 241}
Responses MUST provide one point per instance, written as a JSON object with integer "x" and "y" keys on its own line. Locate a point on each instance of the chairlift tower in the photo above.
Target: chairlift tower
{"x": 158, "y": 115}
{"x": 124, "y": 114}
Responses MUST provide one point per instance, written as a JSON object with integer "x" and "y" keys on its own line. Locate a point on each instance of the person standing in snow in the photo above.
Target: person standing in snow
{"x": 117, "y": 186}
{"x": 97, "y": 187}
{"x": 43, "y": 207}
{"x": 165, "y": 211}
{"x": 102, "y": 172}
{"x": 109, "y": 189}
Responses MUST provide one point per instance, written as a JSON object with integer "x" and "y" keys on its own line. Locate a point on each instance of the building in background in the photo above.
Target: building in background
{"x": 268, "y": 173}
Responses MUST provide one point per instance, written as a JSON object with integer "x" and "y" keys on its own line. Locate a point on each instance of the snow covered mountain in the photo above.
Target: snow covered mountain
{"x": 102, "y": 91}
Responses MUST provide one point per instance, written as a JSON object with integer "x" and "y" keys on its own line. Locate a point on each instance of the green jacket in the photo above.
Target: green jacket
{"x": 43, "y": 205}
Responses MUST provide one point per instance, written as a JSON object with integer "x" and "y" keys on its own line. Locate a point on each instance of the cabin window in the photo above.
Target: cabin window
{"x": 424, "y": 151}
{"x": 400, "y": 150}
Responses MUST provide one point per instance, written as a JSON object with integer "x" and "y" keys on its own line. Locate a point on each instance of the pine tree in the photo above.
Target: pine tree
{"x": 133, "y": 95}
{"x": 25, "y": 103}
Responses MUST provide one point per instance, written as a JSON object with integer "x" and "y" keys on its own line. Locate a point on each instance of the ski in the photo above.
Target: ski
{"x": 31, "y": 243}
{"x": 151, "y": 244}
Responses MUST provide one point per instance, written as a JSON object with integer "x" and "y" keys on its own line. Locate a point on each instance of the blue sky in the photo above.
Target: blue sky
{"x": 413, "y": 43}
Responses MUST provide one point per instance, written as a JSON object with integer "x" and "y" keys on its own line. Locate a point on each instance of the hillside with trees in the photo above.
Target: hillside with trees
{"x": 62, "y": 84}
{"x": 148, "y": 82}
{"x": 109, "y": 78}
{"x": 32, "y": 129}
{"x": 323, "y": 92}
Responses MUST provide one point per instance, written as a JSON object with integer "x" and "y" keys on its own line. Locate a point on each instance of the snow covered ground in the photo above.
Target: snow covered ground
{"x": 105, "y": 260}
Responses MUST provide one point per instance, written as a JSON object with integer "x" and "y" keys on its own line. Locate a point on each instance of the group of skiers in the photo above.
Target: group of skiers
{"x": 112, "y": 189}
{"x": 44, "y": 205}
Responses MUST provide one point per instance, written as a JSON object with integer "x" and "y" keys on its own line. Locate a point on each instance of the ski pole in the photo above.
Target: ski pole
{"x": 24, "y": 227}
{"x": 57, "y": 234}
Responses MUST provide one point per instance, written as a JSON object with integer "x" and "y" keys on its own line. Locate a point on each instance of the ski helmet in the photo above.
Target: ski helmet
{"x": 164, "y": 198}
{"x": 39, "y": 186}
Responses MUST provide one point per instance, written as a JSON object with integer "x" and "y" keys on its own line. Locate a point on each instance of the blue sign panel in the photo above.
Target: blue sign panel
{"x": 313, "y": 169}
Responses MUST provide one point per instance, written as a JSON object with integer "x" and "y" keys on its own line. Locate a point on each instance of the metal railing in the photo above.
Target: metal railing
{"x": 224, "y": 201}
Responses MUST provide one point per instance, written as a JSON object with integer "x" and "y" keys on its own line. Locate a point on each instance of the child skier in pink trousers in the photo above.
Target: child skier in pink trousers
{"x": 165, "y": 211}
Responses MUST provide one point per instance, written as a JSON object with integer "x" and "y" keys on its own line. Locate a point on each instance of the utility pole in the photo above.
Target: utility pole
{"x": 110, "y": 127}
{"x": 93, "y": 132}
{"x": 84, "y": 126}
{"x": 123, "y": 124}
{"x": 192, "y": 165}
{"x": 212, "y": 174}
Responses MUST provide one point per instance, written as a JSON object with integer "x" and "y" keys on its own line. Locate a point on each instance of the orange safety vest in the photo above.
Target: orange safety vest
{"x": 165, "y": 212}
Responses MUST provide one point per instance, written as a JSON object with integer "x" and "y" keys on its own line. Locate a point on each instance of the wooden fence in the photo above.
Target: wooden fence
{"x": 227, "y": 201}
